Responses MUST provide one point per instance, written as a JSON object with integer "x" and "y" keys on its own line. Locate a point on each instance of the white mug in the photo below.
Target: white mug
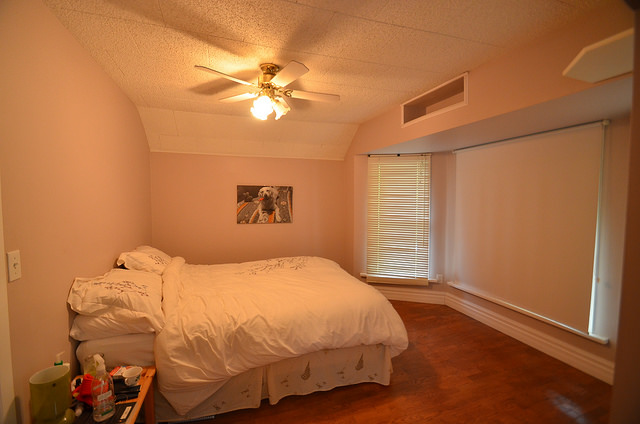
{"x": 132, "y": 375}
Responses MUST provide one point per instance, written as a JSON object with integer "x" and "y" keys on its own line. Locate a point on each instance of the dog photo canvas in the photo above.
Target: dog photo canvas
{"x": 264, "y": 204}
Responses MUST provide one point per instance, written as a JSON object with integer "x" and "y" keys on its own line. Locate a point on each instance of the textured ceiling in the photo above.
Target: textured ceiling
{"x": 375, "y": 54}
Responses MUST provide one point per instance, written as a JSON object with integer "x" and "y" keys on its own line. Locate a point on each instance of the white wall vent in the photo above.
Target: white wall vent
{"x": 445, "y": 97}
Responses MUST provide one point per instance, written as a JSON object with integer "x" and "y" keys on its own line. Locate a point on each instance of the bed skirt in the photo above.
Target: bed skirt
{"x": 317, "y": 371}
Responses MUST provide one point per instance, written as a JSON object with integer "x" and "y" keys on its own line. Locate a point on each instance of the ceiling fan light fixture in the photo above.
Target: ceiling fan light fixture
{"x": 262, "y": 107}
{"x": 269, "y": 92}
{"x": 280, "y": 107}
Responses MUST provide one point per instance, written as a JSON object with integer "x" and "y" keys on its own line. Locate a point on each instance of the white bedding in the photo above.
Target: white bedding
{"x": 222, "y": 320}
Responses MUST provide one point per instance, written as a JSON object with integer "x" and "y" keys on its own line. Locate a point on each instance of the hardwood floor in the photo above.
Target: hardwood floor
{"x": 456, "y": 370}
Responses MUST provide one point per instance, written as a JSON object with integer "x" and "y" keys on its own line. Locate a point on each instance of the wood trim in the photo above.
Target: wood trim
{"x": 8, "y": 407}
{"x": 412, "y": 294}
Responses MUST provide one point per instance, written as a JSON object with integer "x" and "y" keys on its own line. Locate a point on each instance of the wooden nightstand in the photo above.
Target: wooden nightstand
{"x": 145, "y": 398}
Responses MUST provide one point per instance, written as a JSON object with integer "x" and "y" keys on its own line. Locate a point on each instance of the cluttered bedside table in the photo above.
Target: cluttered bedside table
{"x": 145, "y": 398}
{"x": 127, "y": 411}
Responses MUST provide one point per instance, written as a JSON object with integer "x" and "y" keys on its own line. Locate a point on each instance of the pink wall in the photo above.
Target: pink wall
{"x": 525, "y": 77}
{"x": 194, "y": 208}
{"x": 522, "y": 78}
{"x": 75, "y": 179}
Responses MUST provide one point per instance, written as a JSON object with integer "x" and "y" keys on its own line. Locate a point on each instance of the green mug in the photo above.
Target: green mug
{"x": 51, "y": 396}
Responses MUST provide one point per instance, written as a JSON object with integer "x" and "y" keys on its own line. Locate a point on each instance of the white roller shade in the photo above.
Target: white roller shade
{"x": 398, "y": 219}
{"x": 525, "y": 222}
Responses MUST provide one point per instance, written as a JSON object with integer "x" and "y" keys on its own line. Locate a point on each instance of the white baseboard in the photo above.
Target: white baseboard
{"x": 587, "y": 362}
{"x": 412, "y": 294}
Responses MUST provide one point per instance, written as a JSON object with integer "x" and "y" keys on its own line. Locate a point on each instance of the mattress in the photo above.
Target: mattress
{"x": 130, "y": 349}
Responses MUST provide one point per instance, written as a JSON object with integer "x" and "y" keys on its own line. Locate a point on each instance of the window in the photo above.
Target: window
{"x": 526, "y": 222}
{"x": 398, "y": 219}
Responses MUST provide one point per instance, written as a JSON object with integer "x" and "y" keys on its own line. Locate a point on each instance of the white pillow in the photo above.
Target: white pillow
{"x": 86, "y": 327}
{"x": 145, "y": 258}
{"x": 120, "y": 295}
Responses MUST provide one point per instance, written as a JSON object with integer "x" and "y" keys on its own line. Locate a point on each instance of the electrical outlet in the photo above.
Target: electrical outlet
{"x": 439, "y": 278}
{"x": 13, "y": 265}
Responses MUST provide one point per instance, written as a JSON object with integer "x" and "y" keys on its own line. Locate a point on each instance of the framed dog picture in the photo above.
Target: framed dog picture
{"x": 262, "y": 204}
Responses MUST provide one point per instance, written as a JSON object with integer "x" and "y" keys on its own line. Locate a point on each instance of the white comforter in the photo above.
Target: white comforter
{"x": 222, "y": 320}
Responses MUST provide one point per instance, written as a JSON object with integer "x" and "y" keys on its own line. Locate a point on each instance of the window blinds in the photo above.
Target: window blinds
{"x": 398, "y": 219}
{"x": 525, "y": 222}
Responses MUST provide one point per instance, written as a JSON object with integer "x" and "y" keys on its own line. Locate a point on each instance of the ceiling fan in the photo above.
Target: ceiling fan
{"x": 270, "y": 92}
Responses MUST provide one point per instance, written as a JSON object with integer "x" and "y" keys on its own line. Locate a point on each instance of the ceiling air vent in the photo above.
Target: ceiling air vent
{"x": 445, "y": 97}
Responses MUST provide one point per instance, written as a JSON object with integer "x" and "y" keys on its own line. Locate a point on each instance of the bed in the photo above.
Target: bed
{"x": 225, "y": 337}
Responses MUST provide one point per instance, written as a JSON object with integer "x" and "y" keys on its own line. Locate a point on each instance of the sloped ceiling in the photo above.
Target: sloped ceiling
{"x": 375, "y": 54}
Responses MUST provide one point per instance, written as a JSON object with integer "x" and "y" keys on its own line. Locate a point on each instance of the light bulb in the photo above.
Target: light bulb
{"x": 278, "y": 112}
{"x": 262, "y": 107}
{"x": 280, "y": 107}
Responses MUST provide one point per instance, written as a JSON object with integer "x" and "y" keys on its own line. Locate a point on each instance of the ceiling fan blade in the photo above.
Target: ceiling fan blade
{"x": 291, "y": 72}
{"x": 229, "y": 77}
{"x": 283, "y": 102}
{"x": 309, "y": 95}
{"x": 239, "y": 97}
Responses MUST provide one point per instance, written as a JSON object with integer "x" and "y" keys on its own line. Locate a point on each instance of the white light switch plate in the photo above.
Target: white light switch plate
{"x": 13, "y": 265}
